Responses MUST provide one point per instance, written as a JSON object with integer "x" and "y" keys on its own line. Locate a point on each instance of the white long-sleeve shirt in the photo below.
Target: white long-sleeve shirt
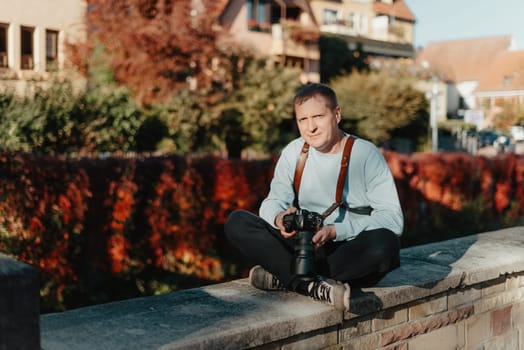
{"x": 369, "y": 182}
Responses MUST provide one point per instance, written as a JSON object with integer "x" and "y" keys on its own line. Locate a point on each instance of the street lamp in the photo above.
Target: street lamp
{"x": 433, "y": 97}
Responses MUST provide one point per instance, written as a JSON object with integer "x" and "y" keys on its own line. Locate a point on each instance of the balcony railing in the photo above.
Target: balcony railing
{"x": 292, "y": 39}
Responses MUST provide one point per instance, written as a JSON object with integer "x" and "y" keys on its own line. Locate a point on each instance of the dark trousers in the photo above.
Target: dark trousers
{"x": 362, "y": 261}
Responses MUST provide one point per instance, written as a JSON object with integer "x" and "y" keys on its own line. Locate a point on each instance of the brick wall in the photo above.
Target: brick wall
{"x": 489, "y": 315}
{"x": 465, "y": 293}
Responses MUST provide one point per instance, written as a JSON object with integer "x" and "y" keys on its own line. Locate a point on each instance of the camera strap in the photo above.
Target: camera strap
{"x": 344, "y": 164}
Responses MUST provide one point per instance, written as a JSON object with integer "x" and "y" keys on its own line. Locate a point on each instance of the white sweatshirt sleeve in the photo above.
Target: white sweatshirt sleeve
{"x": 370, "y": 182}
{"x": 281, "y": 192}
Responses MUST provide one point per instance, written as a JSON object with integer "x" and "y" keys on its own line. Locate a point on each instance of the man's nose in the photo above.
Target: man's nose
{"x": 311, "y": 124}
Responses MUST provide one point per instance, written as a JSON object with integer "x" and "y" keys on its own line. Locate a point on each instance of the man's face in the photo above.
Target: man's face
{"x": 318, "y": 123}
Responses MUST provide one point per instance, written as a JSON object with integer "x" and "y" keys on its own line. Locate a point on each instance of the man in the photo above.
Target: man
{"x": 351, "y": 247}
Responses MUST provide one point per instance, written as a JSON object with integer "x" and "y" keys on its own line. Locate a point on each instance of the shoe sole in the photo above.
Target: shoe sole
{"x": 251, "y": 271}
{"x": 345, "y": 296}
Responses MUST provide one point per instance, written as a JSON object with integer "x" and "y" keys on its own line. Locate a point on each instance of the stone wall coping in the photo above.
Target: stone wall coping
{"x": 234, "y": 315}
{"x": 19, "y": 305}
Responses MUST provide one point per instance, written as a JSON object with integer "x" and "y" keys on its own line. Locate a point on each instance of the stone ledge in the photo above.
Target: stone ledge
{"x": 437, "y": 267}
{"x": 19, "y": 305}
{"x": 235, "y": 315}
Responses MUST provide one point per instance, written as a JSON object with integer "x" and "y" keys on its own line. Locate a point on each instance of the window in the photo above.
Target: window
{"x": 3, "y": 45}
{"x": 51, "y": 50}
{"x": 27, "y": 48}
{"x": 329, "y": 16}
{"x": 358, "y": 22}
{"x": 259, "y": 15}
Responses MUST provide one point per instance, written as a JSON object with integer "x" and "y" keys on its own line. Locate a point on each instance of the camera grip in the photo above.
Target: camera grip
{"x": 288, "y": 221}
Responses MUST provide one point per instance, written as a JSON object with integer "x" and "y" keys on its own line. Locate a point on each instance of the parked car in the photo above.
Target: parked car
{"x": 487, "y": 138}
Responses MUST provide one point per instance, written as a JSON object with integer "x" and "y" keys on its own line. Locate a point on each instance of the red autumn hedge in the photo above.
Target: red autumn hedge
{"x": 104, "y": 229}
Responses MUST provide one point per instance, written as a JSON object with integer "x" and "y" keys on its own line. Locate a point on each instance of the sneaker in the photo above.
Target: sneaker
{"x": 334, "y": 293}
{"x": 261, "y": 279}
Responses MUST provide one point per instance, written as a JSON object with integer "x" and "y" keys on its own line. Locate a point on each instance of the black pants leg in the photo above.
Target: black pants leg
{"x": 360, "y": 261}
{"x": 261, "y": 243}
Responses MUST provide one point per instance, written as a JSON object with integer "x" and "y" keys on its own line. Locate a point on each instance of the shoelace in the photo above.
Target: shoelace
{"x": 275, "y": 282}
{"x": 320, "y": 291}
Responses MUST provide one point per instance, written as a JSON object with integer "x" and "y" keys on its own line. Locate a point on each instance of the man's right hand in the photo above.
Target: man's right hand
{"x": 279, "y": 222}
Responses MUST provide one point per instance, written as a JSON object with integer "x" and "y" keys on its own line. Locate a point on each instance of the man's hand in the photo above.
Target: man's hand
{"x": 279, "y": 222}
{"x": 325, "y": 234}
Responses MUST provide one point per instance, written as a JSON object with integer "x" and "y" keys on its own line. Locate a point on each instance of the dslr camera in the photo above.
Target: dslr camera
{"x": 306, "y": 223}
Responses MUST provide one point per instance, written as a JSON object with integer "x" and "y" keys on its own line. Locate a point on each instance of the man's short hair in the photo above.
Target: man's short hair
{"x": 310, "y": 90}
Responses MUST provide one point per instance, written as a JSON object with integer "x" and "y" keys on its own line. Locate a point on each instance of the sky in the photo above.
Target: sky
{"x": 442, "y": 20}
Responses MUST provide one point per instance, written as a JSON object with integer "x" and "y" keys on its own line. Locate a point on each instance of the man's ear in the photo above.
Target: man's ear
{"x": 338, "y": 114}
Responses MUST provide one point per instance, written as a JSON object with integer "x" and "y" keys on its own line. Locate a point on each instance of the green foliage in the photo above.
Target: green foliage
{"x": 248, "y": 109}
{"x": 41, "y": 121}
{"x": 252, "y": 114}
{"x": 56, "y": 120}
{"x": 10, "y": 138}
{"x": 510, "y": 114}
{"x": 184, "y": 119}
{"x": 381, "y": 105}
{"x": 111, "y": 120}
{"x": 337, "y": 59}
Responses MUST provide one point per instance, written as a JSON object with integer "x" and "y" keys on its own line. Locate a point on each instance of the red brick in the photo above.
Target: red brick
{"x": 501, "y": 320}
{"x": 412, "y": 329}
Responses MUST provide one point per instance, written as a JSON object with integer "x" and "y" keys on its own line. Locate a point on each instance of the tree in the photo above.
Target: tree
{"x": 248, "y": 107}
{"x": 337, "y": 59}
{"x": 155, "y": 46}
{"x": 382, "y": 105}
{"x": 509, "y": 114}
{"x": 253, "y": 104}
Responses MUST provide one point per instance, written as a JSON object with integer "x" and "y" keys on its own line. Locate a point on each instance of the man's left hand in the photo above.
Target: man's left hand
{"x": 325, "y": 234}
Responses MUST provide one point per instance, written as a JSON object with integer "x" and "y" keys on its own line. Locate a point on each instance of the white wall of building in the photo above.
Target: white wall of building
{"x": 64, "y": 16}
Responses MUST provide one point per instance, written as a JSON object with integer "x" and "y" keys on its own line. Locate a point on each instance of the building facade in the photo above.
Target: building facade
{"x": 481, "y": 75}
{"x": 32, "y": 37}
{"x": 381, "y": 28}
{"x": 283, "y": 30}
{"x": 288, "y": 30}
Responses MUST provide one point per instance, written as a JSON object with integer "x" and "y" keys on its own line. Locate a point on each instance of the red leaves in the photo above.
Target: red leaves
{"x": 122, "y": 217}
{"x": 154, "y": 46}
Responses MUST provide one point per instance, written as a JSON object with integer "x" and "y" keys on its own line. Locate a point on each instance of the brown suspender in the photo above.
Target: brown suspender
{"x": 300, "y": 168}
{"x": 344, "y": 164}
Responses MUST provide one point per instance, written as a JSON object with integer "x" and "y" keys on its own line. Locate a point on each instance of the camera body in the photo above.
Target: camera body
{"x": 302, "y": 220}
{"x": 306, "y": 223}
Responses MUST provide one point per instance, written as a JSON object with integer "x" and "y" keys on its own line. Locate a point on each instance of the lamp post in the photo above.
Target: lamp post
{"x": 433, "y": 97}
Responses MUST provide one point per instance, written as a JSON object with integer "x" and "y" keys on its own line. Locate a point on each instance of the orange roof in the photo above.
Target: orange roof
{"x": 399, "y": 9}
{"x": 463, "y": 60}
{"x": 505, "y": 74}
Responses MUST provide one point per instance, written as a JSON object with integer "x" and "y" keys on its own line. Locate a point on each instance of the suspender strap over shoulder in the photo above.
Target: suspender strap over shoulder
{"x": 344, "y": 164}
{"x": 300, "y": 168}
